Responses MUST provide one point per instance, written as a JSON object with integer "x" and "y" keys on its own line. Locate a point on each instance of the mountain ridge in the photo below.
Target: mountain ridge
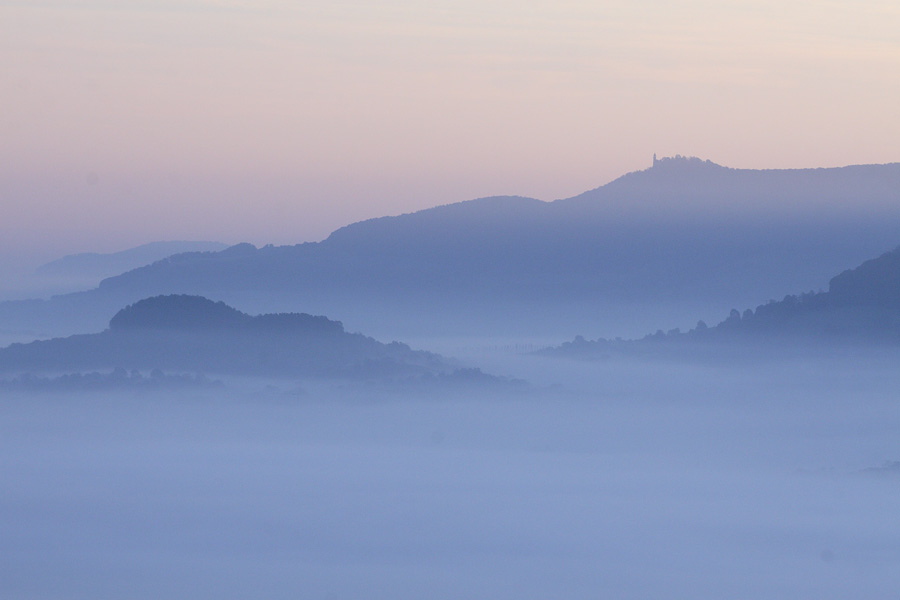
{"x": 835, "y": 183}
{"x": 619, "y": 252}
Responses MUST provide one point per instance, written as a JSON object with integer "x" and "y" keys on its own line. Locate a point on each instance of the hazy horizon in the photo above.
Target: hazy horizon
{"x": 20, "y": 257}
{"x": 470, "y": 401}
{"x": 273, "y": 122}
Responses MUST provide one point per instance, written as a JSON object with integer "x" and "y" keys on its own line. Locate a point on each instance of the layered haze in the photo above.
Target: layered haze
{"x": 683, "y": 240}
{"x": 475, "y": 321}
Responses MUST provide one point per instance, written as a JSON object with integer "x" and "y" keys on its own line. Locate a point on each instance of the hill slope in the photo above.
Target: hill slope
{"x": 675, "y": 241}
{"x": 861, "y": 306}
{"x": 90, "y": 265}
{"x": 190, "y": 333}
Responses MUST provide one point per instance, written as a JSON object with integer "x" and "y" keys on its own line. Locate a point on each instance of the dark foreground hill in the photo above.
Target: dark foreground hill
{"x": 861, "y": 306}
{"x": 682, "y": 238}
{"x": 183, "y": 333}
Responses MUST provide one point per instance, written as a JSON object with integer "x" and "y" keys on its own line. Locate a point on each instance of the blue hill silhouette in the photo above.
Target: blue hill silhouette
{"x": 190, "y": 333}
{"x": 178, "y": 312}
{"x": 96, "y": 265}
{"x": 685, "y": 236}
{"x": 861, "y": 305}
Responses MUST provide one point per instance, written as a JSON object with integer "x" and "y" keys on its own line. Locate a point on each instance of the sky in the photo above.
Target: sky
{"x": 125, "y": 122}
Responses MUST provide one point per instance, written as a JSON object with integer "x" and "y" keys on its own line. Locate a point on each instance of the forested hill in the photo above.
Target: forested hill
{"x": 194, "y": 313}
{"x": 861, "y": 305}
{"x": 181, "y": 333}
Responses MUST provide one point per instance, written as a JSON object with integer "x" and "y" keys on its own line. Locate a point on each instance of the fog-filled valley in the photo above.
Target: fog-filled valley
{"x": 683, "y": 384}
{"x": 773, "y": 479}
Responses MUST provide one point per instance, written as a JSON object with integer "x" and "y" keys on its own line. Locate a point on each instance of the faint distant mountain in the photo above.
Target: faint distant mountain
{"x": 92, "y": 266}
{"x": 862, "y": 305}
{"x": 682, "y": 238}
{"x": 184, "y": 333}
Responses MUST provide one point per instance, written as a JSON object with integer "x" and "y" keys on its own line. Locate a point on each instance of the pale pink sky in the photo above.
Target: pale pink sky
{"x": 123, "y": 122}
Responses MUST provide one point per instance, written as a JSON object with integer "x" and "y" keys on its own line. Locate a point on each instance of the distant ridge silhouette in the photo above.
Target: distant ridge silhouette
{"x": 684, "y": 233}
{"x": 96, "y": 264}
